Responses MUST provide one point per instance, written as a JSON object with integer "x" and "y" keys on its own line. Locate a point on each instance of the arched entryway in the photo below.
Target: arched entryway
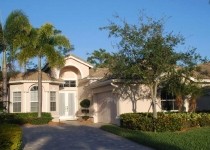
{"x": 68, "y": 102}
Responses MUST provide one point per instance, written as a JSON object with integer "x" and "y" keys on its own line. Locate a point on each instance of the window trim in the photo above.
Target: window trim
{"x": 173, "y": 104}
{"x": 53, "y": 101}
{"x": 166, "y": 97}
{"x": 69, "y": 83}
{"x": 17, "y": 101}
{"x": 35, "y": 90}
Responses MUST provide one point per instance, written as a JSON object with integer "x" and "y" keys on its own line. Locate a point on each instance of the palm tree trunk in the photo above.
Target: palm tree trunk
{"x": 39, "y": 87}
{"x": 179, "y": 102}
{"x": 192, "y": 105}
{"x": 4, "y": 86}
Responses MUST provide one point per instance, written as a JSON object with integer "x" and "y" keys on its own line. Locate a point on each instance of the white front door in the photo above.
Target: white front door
{"x": 67, "y": 105}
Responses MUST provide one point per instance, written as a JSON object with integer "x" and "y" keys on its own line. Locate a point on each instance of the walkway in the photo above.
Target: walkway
{"x": 74, "y": 137}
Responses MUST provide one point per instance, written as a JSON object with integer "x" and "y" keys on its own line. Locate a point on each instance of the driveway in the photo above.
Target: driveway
{"x": 74, "y": 137}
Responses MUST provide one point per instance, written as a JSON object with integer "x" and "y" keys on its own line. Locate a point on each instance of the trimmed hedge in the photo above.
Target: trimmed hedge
{"x": 23, "y": 118}
{"x": 10, "y": 137}
{"x": 164, "y": 122}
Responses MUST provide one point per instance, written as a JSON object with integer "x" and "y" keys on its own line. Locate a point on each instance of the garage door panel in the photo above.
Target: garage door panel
{"x": 106, "y": 107}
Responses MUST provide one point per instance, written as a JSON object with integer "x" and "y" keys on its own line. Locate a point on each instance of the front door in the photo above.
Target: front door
{"x": 67, "y": 105}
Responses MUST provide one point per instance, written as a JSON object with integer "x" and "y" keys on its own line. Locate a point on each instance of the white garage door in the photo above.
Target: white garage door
{"x": 107, "y": 108}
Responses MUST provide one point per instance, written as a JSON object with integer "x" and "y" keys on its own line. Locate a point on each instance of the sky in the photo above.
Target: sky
{"x": 80, "y": 20}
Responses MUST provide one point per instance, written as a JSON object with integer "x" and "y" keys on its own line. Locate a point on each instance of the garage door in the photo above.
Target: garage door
{"x": 107, "y": 108}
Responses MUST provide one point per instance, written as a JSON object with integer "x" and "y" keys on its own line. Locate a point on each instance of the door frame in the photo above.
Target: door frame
{"x": 66, "y": 117}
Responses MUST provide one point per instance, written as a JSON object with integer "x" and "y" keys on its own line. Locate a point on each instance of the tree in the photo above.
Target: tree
{"x": 12, "y": 37}
{"x": 99, "y": 58}
{"x": 147, "y": 54}
{"x": 45, "y": 43}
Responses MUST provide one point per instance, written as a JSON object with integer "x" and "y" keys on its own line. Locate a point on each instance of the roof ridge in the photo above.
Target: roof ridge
{"x": 79, "y": 58}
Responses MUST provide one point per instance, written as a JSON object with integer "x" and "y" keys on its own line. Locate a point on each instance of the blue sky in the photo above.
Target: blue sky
{"x": 80, "y": 20}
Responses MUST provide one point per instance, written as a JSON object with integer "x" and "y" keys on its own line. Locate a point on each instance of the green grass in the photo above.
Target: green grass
{"x": 10, "y": 137}
{"x": 194, "y": 139}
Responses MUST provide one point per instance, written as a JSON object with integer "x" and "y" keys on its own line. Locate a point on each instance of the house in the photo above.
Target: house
{"x": 63, "y": 89}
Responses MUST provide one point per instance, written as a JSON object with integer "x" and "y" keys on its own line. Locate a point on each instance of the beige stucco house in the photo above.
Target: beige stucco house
{"x": 64, "y": 88}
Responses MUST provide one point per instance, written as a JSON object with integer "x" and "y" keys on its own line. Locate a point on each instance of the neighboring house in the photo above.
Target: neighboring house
{"x": 63, "y": 89}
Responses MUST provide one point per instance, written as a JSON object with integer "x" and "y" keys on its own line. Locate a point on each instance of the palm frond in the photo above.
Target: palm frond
{"x": 54, "y": 58}
{"x": 2, "y": 42}
{"x": 16, "y": 28}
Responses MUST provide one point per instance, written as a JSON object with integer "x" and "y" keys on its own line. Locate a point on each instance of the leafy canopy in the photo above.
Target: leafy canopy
{"x": 45, "y": 42}
{"x": 100, "y": 58}
{"x": 147, "y": 54}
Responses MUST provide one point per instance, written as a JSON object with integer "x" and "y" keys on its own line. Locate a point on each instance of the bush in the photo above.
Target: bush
{"x": 204, "y": 120}
{"x": 85, "y": 103}
{"x": 23, "y": 118}
{"x": 10, "y": 137}
{"x": 137, "y": 121}
{"x": 85, "y": 117}
{"x": 164, "y": 122}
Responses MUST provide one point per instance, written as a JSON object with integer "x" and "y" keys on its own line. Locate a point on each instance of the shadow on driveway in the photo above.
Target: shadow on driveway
{"x": 74, "y": 137}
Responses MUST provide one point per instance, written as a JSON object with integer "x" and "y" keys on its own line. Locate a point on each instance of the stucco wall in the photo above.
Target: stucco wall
{"x": 26, "y": 97}
{"x": 16, "y": 88}
{"x": 119, "y": 101}
{"x": 74, "y": 62}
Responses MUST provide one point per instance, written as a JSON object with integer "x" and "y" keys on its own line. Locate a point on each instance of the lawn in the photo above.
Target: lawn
{"x": 194, "y": 139}
{"x": 10, "y": 137}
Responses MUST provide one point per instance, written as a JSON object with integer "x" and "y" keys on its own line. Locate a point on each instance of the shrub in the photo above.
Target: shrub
{"x": 137, "y": 121}
{"x": 85, "y": 117}
{"x": 10, "y": 137}
{"x": 23, "y": 118}
{"x": 204, "y": 120}
{"x": 164, "y": 122}
{"x": 85, "y": 103}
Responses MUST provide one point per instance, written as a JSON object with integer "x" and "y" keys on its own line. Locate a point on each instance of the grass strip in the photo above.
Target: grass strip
{"x": 194, "y": 139}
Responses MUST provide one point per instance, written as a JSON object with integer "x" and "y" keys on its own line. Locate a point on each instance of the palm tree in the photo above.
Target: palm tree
{"x": 12, "y": 37}
{"x": 195, "y": 91}
{"x": 45, "y": 43}
{"x": 181, "y": 86}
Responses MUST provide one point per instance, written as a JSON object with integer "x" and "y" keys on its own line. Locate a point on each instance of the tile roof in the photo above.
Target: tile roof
{"x": 203, "y": 71}
{"x": 33, "y": 76}
{"x": 99, "y": 72}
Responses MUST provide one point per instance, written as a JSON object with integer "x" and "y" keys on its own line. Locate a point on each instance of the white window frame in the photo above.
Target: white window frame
{"x": 17, "y": 101}
{"x": 53, "y": 101}
{"x": 69, "y": 83}
{"x": 34, "y": 98}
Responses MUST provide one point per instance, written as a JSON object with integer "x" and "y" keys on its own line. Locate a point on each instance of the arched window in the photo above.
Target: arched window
{"x": 34, "y": 99}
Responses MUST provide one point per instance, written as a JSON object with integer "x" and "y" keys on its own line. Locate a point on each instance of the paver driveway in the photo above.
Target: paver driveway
{"x": 74, "y": 137}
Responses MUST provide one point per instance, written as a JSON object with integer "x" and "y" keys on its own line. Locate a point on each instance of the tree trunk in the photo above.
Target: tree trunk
{"x": 133, "y": 100}
{"x": 4, "y": 86}
{"x": 39, "y": 87}
{"x": 154, "y": 97}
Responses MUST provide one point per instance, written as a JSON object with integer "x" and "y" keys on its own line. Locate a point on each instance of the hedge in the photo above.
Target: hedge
{"x": 10, "y": 137}
{"x": 164, "y": 122}
{"x": 23, "y": 118}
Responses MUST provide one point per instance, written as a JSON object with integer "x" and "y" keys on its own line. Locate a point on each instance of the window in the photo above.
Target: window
{"x": 34, "y": 99}
{"x": 69, "y": 83}
{"x": 16, "y": 101}
{"x": 168, "y": 101}
{"x": 52, "y": 101}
